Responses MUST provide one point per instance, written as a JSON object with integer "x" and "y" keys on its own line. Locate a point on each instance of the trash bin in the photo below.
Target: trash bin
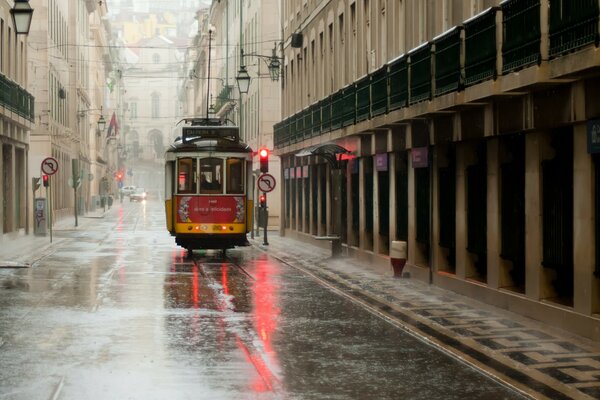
{"x": 398, "y": 253}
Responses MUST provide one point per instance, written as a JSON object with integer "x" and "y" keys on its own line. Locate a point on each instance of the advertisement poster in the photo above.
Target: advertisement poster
{"x": 211, "y": 209}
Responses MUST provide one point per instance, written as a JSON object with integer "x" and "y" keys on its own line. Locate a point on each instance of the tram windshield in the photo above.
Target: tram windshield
{"x": 235, "y": 176}
{"x": 211, "y": 175}
{"x": 186, "y": 175}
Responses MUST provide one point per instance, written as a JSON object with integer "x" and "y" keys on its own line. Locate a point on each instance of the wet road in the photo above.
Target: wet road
{"x": 118, "y": 312}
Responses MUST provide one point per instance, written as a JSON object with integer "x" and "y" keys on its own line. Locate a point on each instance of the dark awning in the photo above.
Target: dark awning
{"x": 329, "y": 151}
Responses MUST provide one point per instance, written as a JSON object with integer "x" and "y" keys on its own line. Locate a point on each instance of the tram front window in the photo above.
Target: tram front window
{"x": 235, "y": 176}
{"x": 211, "y": 175}
{"x": 186, "y": 175}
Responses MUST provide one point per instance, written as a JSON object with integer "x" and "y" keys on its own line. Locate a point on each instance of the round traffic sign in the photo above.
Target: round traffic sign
{"x": 49, "y": 166}
{"x": 266, "y": 183}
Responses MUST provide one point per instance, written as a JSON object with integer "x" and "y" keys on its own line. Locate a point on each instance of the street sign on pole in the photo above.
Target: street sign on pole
{"x": 49, "y": 166}
{"x": 266, "y": 183}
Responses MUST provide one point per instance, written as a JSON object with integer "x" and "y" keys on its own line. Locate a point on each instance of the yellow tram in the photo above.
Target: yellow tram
{"x": 208, "y": 201}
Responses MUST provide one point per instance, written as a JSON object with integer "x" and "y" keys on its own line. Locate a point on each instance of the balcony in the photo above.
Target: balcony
{"x": 16, "y": 99}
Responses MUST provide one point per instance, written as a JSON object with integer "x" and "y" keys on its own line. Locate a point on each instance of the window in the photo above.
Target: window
{"x": 155, "y": 105}
{"x": 134, "y": 113}
{"x": 211, "y": 175}
{"x": 155, "y": 58}
{"x": 186, "y": 175}
{"x": 235, "y": 176}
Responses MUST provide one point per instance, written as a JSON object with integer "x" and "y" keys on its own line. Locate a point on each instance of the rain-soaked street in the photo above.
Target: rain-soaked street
{"x": 117, "y": 311}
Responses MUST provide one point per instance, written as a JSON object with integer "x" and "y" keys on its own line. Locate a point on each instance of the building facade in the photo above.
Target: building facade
{"x": 72, "y": 58}
{"x": 16, "y": 121}
{"x": 241, "y": 33}
{"x": 467, "y": 129}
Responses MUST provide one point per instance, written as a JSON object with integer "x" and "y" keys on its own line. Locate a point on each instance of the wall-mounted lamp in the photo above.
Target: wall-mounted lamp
{"x": 243, "y": 79}
{"x": 101, "y": 121}
{"x": 21, "y": 13}
{"x": 273, "y": 64}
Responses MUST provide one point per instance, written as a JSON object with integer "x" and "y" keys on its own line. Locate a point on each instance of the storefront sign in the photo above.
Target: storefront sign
{"x": 298, "y": 172}
{"x": 593, "y": 136}
{"x": 381, "y": 162}
{"x": 305, "y": 171}
{"x": 419, "y": 157}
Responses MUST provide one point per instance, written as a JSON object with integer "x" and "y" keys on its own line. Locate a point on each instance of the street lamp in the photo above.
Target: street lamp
{"x": 274, "y": 67}
{"x": 22, "y": 14}
{"x": 243, "y": 79}
{"x": 101, "y": 123}
{"x": 273, "y": 64}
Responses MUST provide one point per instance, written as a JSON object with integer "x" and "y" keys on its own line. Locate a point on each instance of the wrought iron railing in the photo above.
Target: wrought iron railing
{"x": 480, "y": 47}
{"x": 448, "y": 51}
{"x": 572, "y": 24}
{"x": 16, "y": 99}
{"x": 522, "y": 34}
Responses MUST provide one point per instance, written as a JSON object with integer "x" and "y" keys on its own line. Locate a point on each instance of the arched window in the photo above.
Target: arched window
{"x": 155, "y": 105}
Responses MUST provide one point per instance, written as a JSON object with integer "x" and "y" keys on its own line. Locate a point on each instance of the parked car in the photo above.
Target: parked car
{"x": 138, "y": 195}
{"x": 127, "y": 190}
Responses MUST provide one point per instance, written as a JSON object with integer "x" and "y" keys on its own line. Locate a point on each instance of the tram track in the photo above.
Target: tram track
{"x": 246, "y": 342}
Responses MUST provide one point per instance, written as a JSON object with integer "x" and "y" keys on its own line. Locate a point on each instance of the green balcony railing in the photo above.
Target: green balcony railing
{"x": 420, "y": 73}
{"x": 363, "y": 98}
{"x": 337, "y": 110}
{"x": 379, "y": 91}
{"x": 573, "y": 24}
{"x": 16, "y": 99}
{"x": 316, "y": 118}
{"x": 326, "y": 115}
{"x": 349, "y": 95}
{"x": 398, "y": 82}
{"x": 480, "y": 47}
{"x": 522, "y": 34}
{"x": 448, "y": 50}
{"x": 308, "y": 124}
{"x": 223, "y": 97}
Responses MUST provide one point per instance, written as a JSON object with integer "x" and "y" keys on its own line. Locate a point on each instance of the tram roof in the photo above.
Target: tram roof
{"x": 208, "y": 135}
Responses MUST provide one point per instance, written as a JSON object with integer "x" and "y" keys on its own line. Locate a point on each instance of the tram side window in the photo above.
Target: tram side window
{"x": 186, "y": 175}
{"x": 235, "y": 176}
{"x": 211, "y": 175}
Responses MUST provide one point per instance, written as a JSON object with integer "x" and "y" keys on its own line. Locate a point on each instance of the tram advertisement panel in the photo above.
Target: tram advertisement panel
{"x": 208, "y": 209}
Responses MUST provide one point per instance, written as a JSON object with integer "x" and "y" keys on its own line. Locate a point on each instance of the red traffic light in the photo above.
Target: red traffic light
{"x": 119, "y": 175}
{"x": 46, "y": 180}
{"x": 264, "y": 160}
{"x": 262, "y": 200}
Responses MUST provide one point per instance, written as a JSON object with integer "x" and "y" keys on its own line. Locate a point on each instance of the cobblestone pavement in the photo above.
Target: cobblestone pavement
{"x": 536, "y": 359}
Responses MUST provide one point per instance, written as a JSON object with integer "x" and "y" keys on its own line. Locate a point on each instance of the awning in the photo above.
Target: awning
{"x": 328, "y": 151}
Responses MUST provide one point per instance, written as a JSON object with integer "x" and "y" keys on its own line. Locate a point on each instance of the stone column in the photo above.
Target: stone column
{"x": 533, "y": 215}
{"x": 493, "y": 214}
{"x": 586, "y": 287}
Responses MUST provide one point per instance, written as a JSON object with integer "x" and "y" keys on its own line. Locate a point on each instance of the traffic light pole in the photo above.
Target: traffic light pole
{"x": 266, "y": 221}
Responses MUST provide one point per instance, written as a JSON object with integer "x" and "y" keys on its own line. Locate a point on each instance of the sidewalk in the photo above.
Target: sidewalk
{"x": 537, "y": 359}
{"x": 18, "y": 250}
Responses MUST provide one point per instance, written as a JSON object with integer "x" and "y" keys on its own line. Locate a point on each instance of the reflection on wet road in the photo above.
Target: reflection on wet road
{"x": 120, "y": 312}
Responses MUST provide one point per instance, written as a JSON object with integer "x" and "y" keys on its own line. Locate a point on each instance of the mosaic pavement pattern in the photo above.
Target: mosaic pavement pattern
{"x": 535, "y": 359}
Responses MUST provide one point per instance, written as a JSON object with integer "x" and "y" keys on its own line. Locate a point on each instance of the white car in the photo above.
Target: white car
{"x": 128, "y": 190}
{"x": 138, "y": 195}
